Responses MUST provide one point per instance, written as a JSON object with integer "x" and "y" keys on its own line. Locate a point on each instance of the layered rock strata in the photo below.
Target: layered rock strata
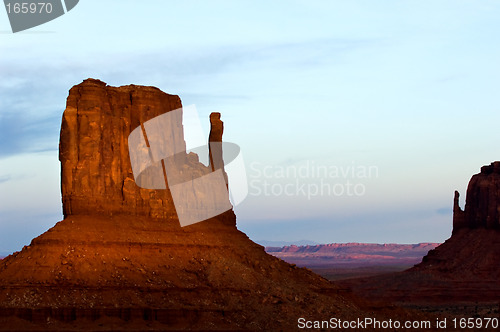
{"x": 96, "y": 174}
{"x": 120, "y": 260}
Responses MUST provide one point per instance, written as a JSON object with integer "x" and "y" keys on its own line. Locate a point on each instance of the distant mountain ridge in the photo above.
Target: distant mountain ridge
{"x": 267, "y": 243}
{"x": 353, "y": 246}
{"x": 343, "y": 254}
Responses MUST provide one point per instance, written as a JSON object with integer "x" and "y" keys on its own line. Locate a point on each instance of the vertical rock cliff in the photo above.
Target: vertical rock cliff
{"x": 482, "y": 204}
{"x": 96, "y": 171}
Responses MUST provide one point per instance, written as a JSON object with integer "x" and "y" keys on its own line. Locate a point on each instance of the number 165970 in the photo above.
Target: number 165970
{"x": 29, "y": 7}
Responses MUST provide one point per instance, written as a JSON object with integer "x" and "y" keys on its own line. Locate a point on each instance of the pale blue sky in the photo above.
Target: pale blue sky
{"x": 410, "y": 87}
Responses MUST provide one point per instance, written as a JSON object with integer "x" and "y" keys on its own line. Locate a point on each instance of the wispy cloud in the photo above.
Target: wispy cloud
{"x": 21, "y": 134}
{"x": 33, "y": 96}
{"x": 5, "y": 178}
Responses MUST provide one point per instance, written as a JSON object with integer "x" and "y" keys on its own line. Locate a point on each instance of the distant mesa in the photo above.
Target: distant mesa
{"x": 269, "y": 243}
{"x": 342, "y": 255}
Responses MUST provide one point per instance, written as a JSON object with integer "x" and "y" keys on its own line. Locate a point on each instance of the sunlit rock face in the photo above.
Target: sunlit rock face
{"x": 96, "y": 171}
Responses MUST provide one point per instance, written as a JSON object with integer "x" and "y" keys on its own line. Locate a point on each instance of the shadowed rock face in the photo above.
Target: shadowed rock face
{"x": 458, "y": 213}
{"x": 465, "y": 267}
{"x": 482, "y": 205}
{"x": 352, "y": 254}
{"x": 471, "y": 251}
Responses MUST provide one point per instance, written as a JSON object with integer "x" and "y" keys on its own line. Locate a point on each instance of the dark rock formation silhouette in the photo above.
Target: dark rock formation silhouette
{"x": 482, "y": 205}
{"x": 464, "y": 269}
{"x": 458, "y": 213}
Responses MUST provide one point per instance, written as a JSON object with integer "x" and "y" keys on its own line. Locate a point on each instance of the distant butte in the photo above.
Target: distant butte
{"x": 465, "y": 268}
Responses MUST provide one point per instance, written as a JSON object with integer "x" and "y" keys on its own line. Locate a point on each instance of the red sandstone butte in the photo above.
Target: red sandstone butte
{"x": 96, "y": 174}
{"x": 120, "y": 260}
